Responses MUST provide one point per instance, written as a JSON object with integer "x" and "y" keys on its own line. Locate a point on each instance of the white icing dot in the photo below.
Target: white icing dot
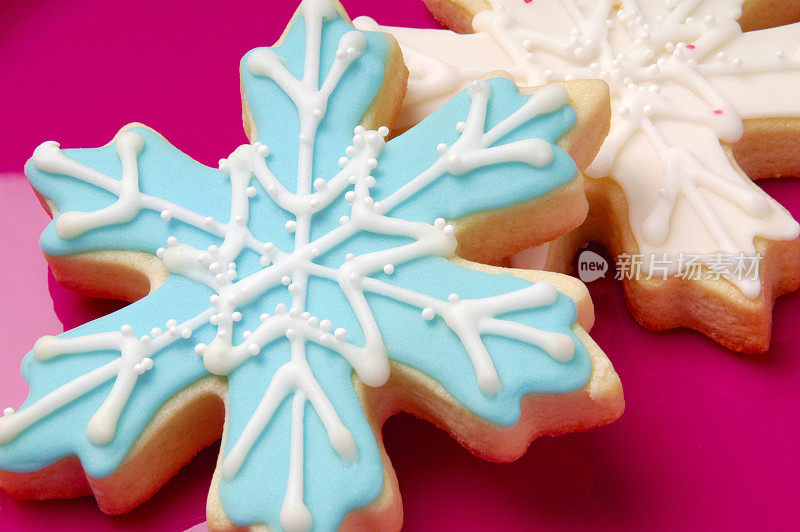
{"x": 199, "y": 349}
{"x": 174, "y": 332}
{"x": 220, "y": 278}
{"x": 383, "y": 131}
{"x": 156, "y": 332}
{"x": 253, "y": 349}
{"x": 460, "y": 126}
{"x": 452, "y": 298}
{"x": 280, "y": 308}
{"x": 264, "y": 317}
{"x": 647, "y": 110}
{"x": 428, "y": 314}
{"x": 285, "y": 280}
{"x": 8, "y": 411}
{"x": 263, "y": 150}
{"x": 349, "y": 257}
{"x": 186, "y": 332}
{"x": 126, "y": 330}
{"x": 317, "y": 113}
{"x": 325, "y": 325}
{"x": 368, "y": 202}
{"x": 160, "y": 252}
{"x": 214, "y": 300}
{"x": 372, "y": 163}
{"x": 264, "y": 260}
{"x": 320, "y": 184}
{"x": 291, "y": 334}
{"x": 236, "y": 316}
{"x": 166, "y": 215}
{"x": 145, "y": 339}
{"x": 214, "y": 319}
{"x": 344, "y": 219}
{"x": 388, "y": 269}
{"x": 250, "y": 191}
{"x": 313, "y": 321}
{"x": 292, "y": 288}
{"x": 172, "y": 241}
{"x": 441, "y": 148}
{"x": 268, "y": 246}
{"x": 340, "y": 334}
{"x": 343, "y": 161}
{"x": 349, "y": 196}
{"x": 208, "y": 221}
{"x": 231, "y": 275}
{"x": 291, "y": 226}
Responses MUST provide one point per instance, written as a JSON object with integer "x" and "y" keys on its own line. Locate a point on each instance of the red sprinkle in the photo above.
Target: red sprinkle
{"x": 690, "y": 46}
{"x": 717, "y": 111}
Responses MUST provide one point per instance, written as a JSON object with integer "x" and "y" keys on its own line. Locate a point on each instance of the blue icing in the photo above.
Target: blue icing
{"x": 348, "y": 103}
{"x": 522, "y": 368}
{"x": 446, "y": 196}
{"x": 331, "y": 488}
{"x": 64, "y": 432}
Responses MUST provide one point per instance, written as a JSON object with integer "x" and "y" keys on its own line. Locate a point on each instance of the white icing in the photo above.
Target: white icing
{"x": 682, "y": 75}
{"x": 215, "y": 266}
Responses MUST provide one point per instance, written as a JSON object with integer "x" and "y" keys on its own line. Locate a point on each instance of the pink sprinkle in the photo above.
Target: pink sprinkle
{"x": 690, "y": 46}
{"x": 717, "y": 111}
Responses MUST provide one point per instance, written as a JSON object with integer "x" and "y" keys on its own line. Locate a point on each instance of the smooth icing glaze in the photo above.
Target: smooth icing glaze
{"x": 280, "y": 262}
{"x": 682, "y": 77}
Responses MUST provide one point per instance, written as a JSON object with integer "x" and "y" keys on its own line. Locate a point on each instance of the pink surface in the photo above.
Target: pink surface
{"x": 708, "y": 438}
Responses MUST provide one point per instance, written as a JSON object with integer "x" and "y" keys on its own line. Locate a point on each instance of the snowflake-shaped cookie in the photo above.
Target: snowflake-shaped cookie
{"x": 683, "y": 76}
{"x": 312, "y": 267}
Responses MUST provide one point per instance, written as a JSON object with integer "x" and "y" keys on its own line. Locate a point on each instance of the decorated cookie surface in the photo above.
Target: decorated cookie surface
{"x": 683, "y": 77}
{"x": 315, "y": 254}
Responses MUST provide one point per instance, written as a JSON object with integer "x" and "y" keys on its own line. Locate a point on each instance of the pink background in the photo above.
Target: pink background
{"x": 708, "y": 438}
